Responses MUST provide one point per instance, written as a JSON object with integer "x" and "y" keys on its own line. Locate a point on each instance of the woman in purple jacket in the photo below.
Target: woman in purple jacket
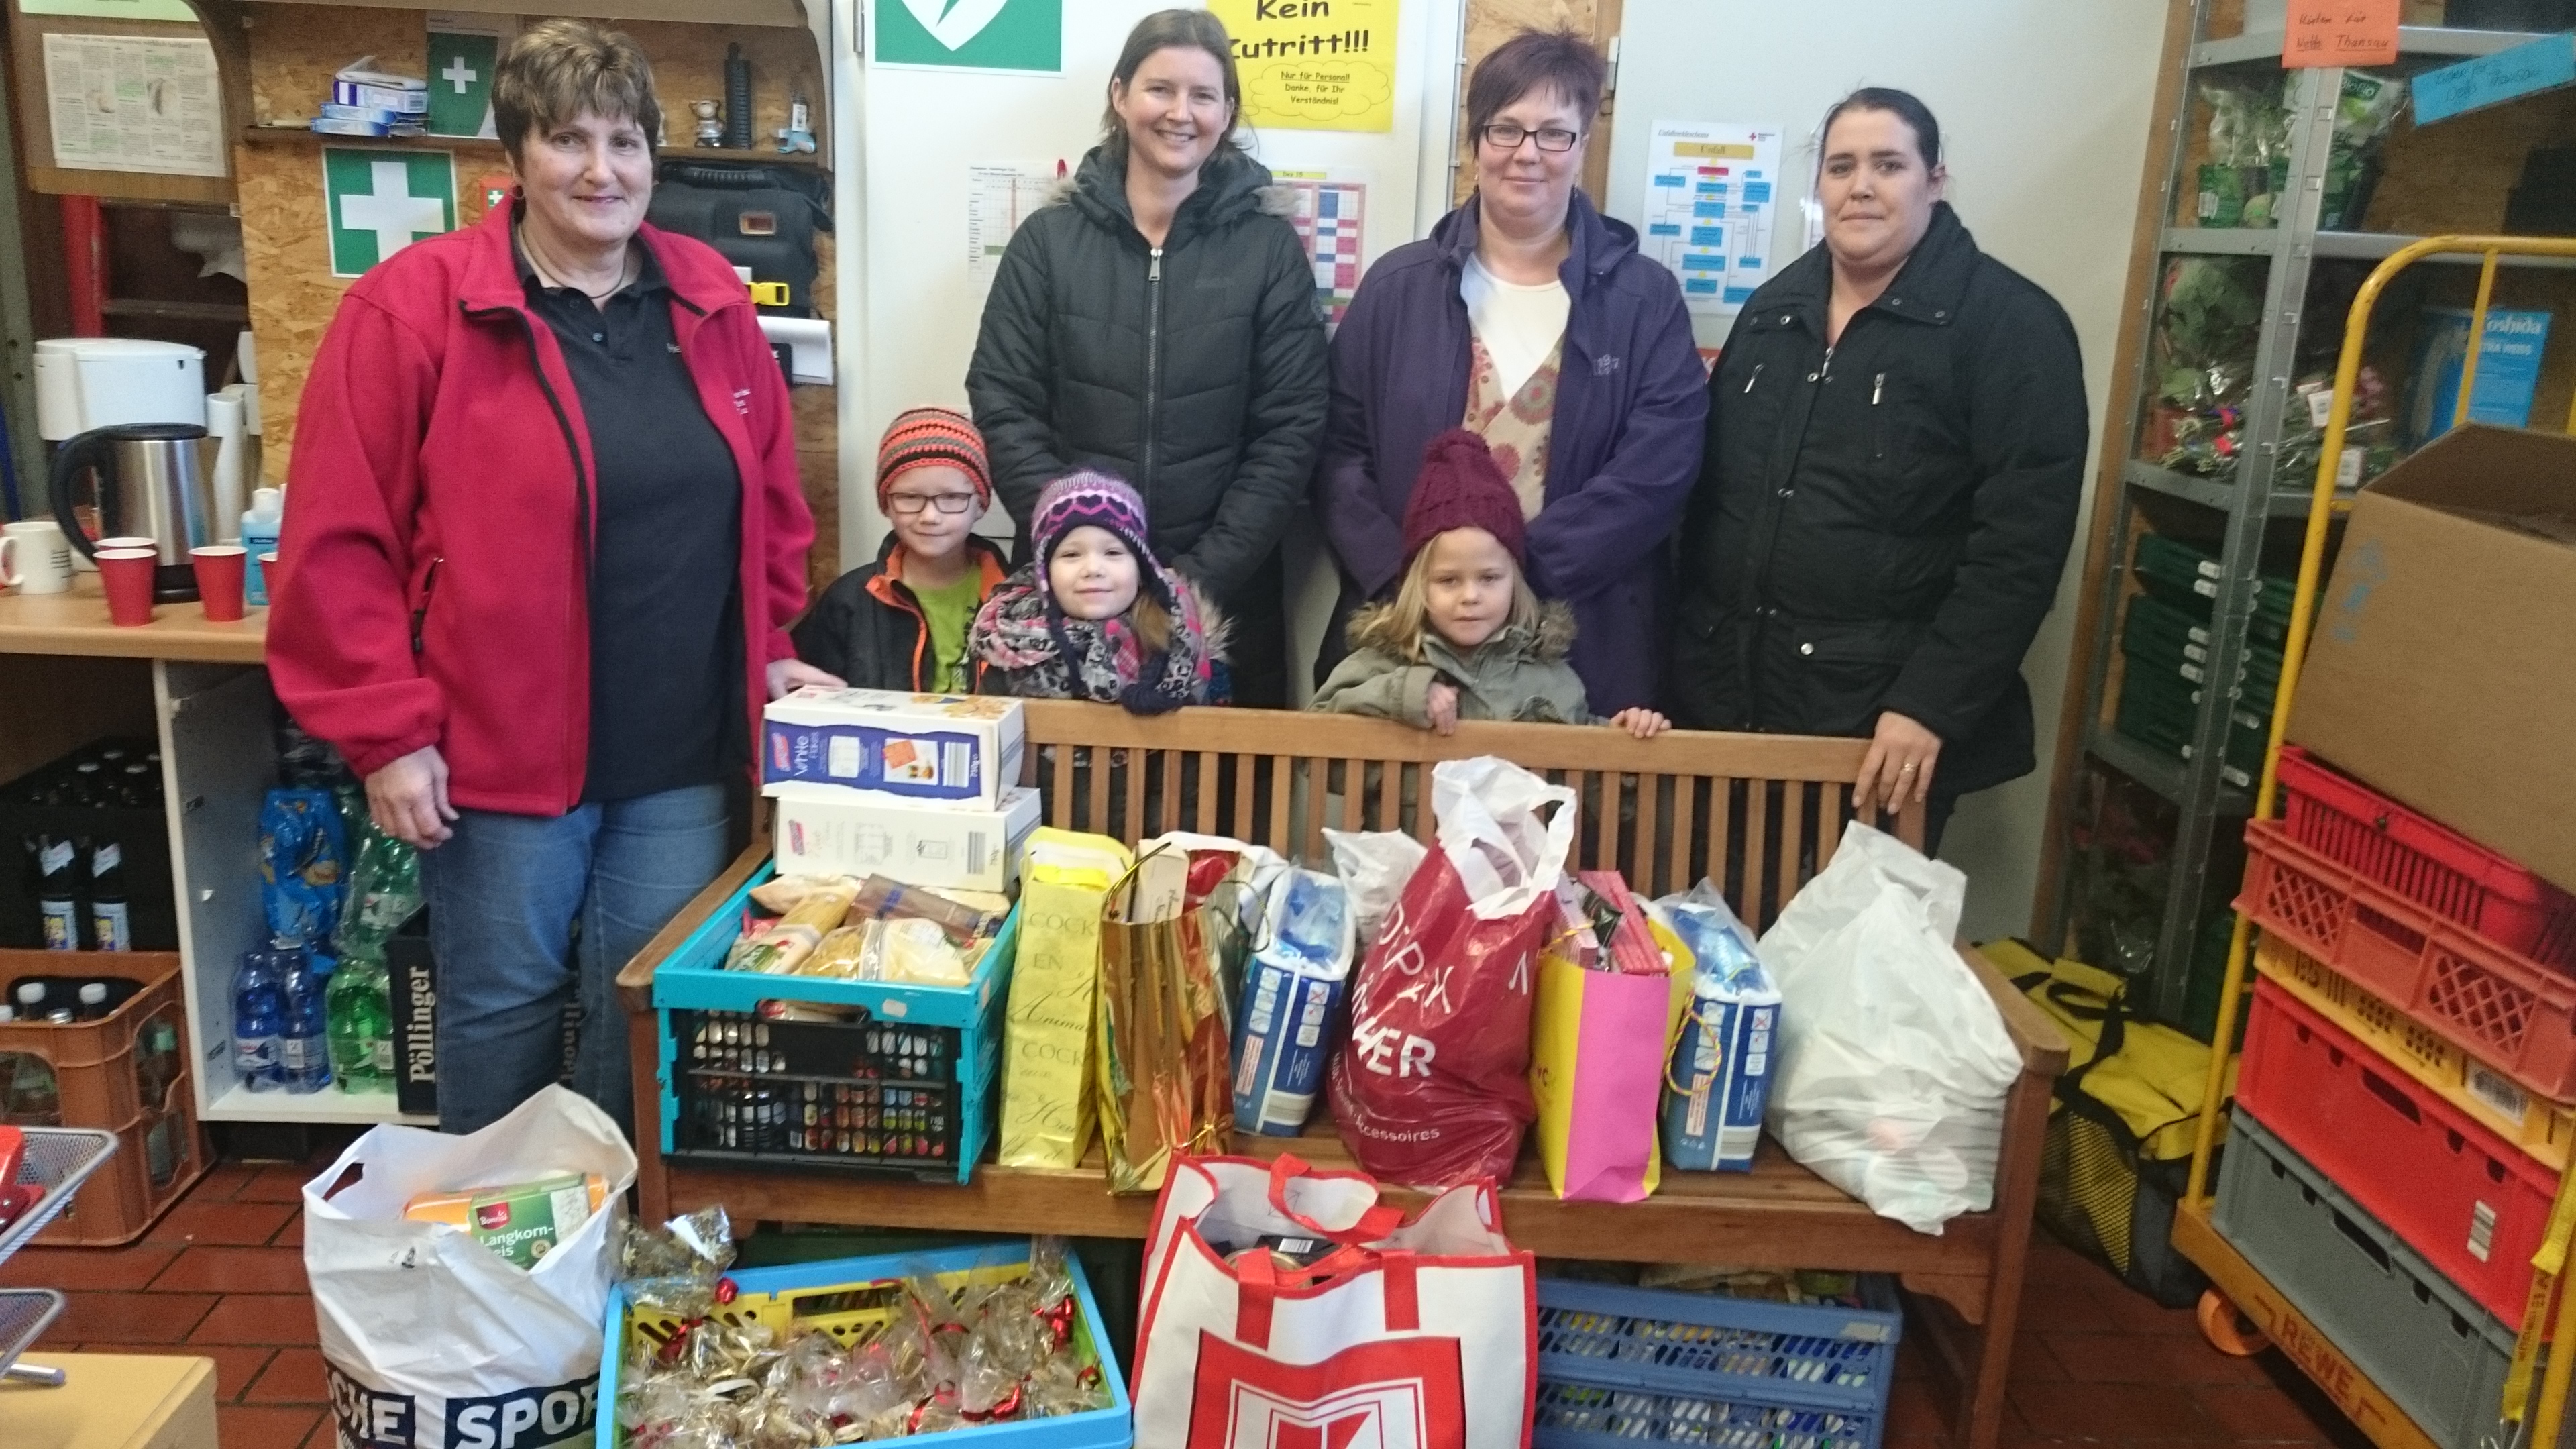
{"x": 1532, "y": 319}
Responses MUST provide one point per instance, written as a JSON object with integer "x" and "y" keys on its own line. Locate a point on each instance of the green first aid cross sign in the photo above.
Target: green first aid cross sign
{"x": 383, "y": 201}
{"x": 460, "y": 82}
{"x": 1008, "y": 35}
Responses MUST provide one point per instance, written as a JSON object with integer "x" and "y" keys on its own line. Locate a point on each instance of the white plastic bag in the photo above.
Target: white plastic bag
{"x": 428, "y": 1336}
{"x": 1895, "y": 1061}
{"x": 1375, "y": 864}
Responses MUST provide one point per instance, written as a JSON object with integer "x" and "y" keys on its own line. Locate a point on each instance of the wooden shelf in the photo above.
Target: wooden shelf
{"x": 305, "y": 135}
{"x": 76, "y": 623}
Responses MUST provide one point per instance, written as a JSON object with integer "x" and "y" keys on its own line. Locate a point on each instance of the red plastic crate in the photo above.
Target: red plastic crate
{"x": 2499, "y": 1006}
{"x": 2428, "y": 863}
{"x": 2472, "y": 1204}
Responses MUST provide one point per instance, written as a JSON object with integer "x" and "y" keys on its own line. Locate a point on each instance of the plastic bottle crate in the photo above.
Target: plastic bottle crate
{"x": 2427, "y": 1345}
{"x": 2428, "y": 863}
{"x": 1618, "y": 1363}
{"x": 98, "y": 1066}
{"x": 821, "y": 1296}
{"x": 159, "y": 1155}
{"x": 2499, "y": 1006}
{"x": 906, "y": 1090}
{"x": 2538, "y": 1126}
{"x": 2472, "y": 1204}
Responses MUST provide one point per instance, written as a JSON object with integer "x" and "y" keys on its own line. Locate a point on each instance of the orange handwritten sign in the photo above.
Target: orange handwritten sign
{"x": 2340, "y": 32}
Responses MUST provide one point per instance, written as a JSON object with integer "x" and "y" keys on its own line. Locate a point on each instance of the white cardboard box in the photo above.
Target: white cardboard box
{"x": 949, "y": 748}
{"x": 827, "y": 830}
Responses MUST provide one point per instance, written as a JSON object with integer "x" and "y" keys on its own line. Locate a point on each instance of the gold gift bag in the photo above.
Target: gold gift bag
{"x": 1065, "y": 881}
{"x": 1163, "y": 1050}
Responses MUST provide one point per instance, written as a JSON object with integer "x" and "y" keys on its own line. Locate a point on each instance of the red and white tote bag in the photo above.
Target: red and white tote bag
{"x": 1417, "y": 1334}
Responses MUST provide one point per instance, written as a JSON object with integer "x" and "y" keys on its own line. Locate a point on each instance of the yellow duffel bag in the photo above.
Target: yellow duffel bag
{"x": 2120, "y": 1130}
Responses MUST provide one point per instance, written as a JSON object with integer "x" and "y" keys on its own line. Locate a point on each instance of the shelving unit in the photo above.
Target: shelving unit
{"x": 2237, "y": 516}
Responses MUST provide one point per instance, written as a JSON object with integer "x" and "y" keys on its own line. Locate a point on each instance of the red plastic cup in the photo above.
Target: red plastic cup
{"x": 127, "y": 572}
{"x": 271, "y": 577}
{"x": 219, "y": 569}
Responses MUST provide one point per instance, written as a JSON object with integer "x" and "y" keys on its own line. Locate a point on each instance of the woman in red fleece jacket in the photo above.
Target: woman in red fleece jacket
{"x": 543, "y": 539}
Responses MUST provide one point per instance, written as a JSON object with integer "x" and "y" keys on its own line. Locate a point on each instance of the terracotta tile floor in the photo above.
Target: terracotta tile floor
{"x": 222, "y": 1277}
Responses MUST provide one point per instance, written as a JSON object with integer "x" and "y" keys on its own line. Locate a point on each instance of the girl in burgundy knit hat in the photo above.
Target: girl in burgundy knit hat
{"x": 1465, "y": 637}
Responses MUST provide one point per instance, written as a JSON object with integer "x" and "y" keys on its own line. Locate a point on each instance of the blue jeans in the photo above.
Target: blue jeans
{"x": 504, "y": 894}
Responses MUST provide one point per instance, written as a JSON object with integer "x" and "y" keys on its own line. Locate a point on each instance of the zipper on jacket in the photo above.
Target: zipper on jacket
{"x": 1756, "y": 377}
{"x": 1153, "y": 369}
{"x": 580, "y": 497}
{"x": 428, "y": 586}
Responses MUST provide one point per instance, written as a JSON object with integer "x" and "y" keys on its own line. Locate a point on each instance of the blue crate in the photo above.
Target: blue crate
{"x": 1618, "y": 1363}
{"x": 961, "y": 1027}
{"x": 1110, "y": 1428}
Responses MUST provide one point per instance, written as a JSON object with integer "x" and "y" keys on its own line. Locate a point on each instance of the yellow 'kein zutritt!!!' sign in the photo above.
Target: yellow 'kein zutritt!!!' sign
{"x": 1314, "y": 65}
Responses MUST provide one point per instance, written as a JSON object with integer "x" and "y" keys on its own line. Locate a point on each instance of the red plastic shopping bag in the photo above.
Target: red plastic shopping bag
{"x": 1286, "y": 1308}
{"x": 1433, "y": 1086}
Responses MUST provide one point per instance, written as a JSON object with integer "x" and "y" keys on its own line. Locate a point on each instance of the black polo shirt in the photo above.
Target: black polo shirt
{"x": 666, "y": 670}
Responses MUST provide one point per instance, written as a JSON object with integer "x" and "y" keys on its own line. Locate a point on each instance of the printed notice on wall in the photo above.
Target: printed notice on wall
{"x": 130, "y": 103}
{"x": 1712, "y": 193}
{"x": 999, "y": 196}
{"x": 1314, "y": 65}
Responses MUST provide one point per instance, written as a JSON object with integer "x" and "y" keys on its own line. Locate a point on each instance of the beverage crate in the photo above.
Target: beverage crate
{"x": 906, "y": 1090}
{"x": 2540, "y": 1127}
{"x": 2499, "y": 1006}
{"x": 2426, "y": 1344}
{"x": 2471, "y": 1204}
{"x": 2428, "y": 863}
{"x": 1617, "y": 1364}
{"x": 159, "y": 1156}
{"x": 846, "y": 1298}
{"x": 106, "y": 1071}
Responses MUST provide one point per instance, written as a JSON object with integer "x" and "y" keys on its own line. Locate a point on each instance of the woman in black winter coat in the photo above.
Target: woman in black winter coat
{"x": 1159, "y": 322}
{"x": 1895, "y": 459}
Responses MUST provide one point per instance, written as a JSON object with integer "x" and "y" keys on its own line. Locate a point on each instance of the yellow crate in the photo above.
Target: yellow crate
{"x": 854, "y": 1313}
{"x": 2537, "y": 1125}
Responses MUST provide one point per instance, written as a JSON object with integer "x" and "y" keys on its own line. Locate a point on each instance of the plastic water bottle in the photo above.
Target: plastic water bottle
{"x": 259, "y": 1016}
{"x": 304, "y": 1043}
{"x": 362, "y": 1029}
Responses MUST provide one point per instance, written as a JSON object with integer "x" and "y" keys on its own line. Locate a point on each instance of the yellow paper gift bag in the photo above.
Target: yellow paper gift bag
{"x": 1598, "y": 1043}
{"x": 1065, "y": 881}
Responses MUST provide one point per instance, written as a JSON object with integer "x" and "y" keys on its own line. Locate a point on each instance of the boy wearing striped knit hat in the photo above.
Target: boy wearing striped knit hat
{"x": 902, "y": 622}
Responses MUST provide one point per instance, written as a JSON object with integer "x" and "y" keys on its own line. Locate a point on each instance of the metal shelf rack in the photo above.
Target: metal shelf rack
{"x": 2243, "y": 506}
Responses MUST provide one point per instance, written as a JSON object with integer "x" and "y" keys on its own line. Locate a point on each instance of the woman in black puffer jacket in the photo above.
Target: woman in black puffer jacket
{"x": 1159, "y": 322}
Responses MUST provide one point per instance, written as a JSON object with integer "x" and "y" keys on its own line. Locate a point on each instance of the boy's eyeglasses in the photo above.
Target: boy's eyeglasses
{"x": 1504, "y": 136}
{"x": 910, "y": 505}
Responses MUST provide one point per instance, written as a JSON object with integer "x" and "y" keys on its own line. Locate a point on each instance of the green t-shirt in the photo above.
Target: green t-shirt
{"x": 950, "y": 612}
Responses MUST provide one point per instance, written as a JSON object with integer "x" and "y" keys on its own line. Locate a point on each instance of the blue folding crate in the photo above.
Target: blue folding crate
{"x": 1618, "y": 1364}
{"x": 812, "y": 1295}
{"x": 907, "y": 1090}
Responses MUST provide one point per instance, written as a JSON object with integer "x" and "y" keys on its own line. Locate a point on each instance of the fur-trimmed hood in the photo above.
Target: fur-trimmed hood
{"x": 1378, "y": 627}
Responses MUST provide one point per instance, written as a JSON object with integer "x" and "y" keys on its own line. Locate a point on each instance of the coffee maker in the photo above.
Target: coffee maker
{"x": 133, "y": 413}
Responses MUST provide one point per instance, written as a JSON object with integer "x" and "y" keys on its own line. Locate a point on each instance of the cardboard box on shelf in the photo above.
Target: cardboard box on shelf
{"x": 2443, "y": 666}
{"x": 827, "y": 830}
{"x": 952, "y": 748}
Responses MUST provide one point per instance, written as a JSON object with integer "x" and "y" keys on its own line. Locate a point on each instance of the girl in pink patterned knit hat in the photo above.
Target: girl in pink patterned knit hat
{"x": 1092, "y": 615}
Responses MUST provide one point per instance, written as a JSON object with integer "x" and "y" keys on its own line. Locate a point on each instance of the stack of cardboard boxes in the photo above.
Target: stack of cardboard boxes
{"x": 920, "y": 788}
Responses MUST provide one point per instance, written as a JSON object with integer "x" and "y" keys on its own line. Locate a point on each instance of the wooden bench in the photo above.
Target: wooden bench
{"x": 1759, "y": 813}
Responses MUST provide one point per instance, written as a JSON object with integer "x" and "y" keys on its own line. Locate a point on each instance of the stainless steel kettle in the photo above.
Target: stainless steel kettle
{"x": 149, "y": 486}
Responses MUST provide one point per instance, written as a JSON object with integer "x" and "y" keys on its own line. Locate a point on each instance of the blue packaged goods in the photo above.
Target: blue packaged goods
{"x": 304, "y": 1036}
{"x": 1291, "y": 1020}
{"x": 259, "y": 1016}
{"x": 2508, "y": 370}
{"x": 1720, "y": 1074}
{"x": 943, "y": 747}
{"x": 303, "y": 849}
{"x": 378, "y": 115}
{"x": 356, "y": 85}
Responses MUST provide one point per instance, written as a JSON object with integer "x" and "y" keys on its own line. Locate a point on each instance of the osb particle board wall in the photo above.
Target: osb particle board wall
{"x": 293, "y": 51}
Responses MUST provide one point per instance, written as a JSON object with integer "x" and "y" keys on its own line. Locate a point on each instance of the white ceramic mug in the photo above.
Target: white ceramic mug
{"x": 35, "y": 558}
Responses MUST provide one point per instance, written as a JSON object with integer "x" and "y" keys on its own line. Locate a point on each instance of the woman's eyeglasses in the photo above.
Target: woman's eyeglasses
{"x": 1504, "y": 136}
{"x": 910, "y": 505}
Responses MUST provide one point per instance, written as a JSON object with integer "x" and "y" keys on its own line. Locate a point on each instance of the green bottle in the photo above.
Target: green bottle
{"x": 361, "y": 1025}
